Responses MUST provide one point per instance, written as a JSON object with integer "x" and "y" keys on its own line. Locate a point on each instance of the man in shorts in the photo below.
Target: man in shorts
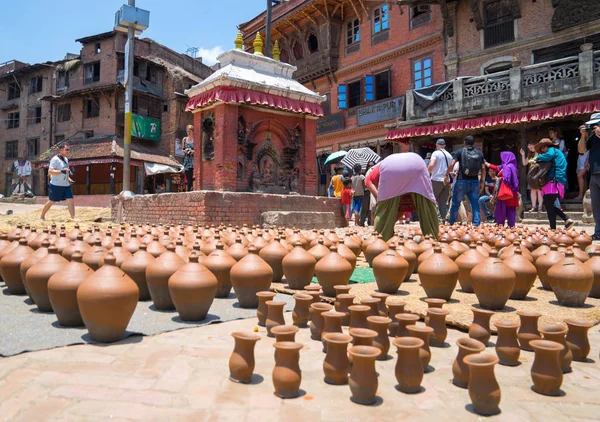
{"x": 59, "y": 188}
{"x": 358, "y": 188}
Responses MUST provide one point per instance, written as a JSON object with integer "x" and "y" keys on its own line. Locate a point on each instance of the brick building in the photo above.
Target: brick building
{"x": 363, "y": 55}
{"x": 81, "y": 99}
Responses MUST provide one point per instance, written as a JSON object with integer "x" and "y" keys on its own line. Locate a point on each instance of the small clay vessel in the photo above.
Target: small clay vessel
{"x": 438, "y": 275}
{"x": 341, "y": 289}
{"x": 286, "y": 374}
{"x": 347, "y": 254}
{"x": 158, "y": 273}
{"x": 274, "y": 316}
{"x": 316, "y": 319}
{"x": 390, "y": 270}
{"x": 336, "y": 364}
{"x": 466, "y": 262}
{"x": 261, "y": 310}
{"x": 219, "y": 262}
{"x": 332, "y": 323}
{"x": 362, "y": 336}
{"x": 352, "y": 245}
{"x": 557, "y": 332}
{"x": 273, "y": 254}
{"x": 546, "y": 371}
{"x": 483, "y": 386}
{"x": 301, "y": 312}
{"x": 528, "y": 330}
{"x": 577, "y": 338}
{"x": 373, "y": 304}
{"x": 363, "y": 377}
{"x": 192, "y": 288}
{"x": 135, "y": 268}
{"x": 241, "y": 361}
{"x": 94, "y": 255}
{"x": 571, "y": 281}
{"x": 107, "y": 300}
{"x": 319, "y": 251}
{"x": 507, "y": 344}
{"x": 525, "y": 275}
{"x": 298, "y": 267}
{"x": 480, "y": 327}
{"x": 380, "y": 324}
{"x": 394, "y": 308}
{"x": 493, "y": 282}
{"x": 119, "y": 252}
{"x": 381, "y": 304}
{"x": 10, "y": 267}
{"x": 409, "y": 256}
{"x": 424, "y": 333}
{"x": 409, "y": 367}
{"x": 314, "y": 291}
{"x": 344, "y": 301}
{"x": 433, "y": 302}
{"x": 331, "y": 270}
{"x": 437, "y": 321}
{"x": 38, "y": 275}
{"x": 62, "y": 291}
{"x": 545, "y": 262}
{"x": 404, "y": 320}
{"x": 284, "y": 332}
{"x": 374, "y": 249}
{"x": 249, "y": 276}
{"x": 358, "y": 316}
{"x": 466, "y": 346}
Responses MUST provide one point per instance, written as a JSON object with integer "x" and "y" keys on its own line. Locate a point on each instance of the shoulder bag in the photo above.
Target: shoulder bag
{"x": 539, "y": 174}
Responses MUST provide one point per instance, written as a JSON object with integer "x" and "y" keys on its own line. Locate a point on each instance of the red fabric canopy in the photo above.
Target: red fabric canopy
{"x": 402, "y": 135}
{"x": 247, "y": 96}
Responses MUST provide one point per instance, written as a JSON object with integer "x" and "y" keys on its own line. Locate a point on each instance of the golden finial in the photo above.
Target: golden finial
{"x": 276, "y": 51}
{"x": 239, "y": 41}
{"x": 258, "y": 45}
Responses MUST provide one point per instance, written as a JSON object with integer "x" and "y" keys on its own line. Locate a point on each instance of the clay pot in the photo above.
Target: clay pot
{"x": 94, "y": 255}
{"x": 316, "y": 319}
{"x": 583, "y": 240}
{"x": 375, "y": 249}
{"x": 155, "y": 248}
{"x": 438, "y": 275}
{"x": 262, "y": 310}
{"x": 284, "y": 332}
{"x": 582, "y": 256}
{"x": 158, "y": 273}
{"x": 390, "y": 270}
{"x": 493, "y": 282}
{"x": 135, "y": 268}
{"x": 539, "y": 252}
{"x": 545, "y": 262}
{"x": 358, "y": 316}
{"x": 273, "y": 254}
{"x": 107, "y": 300}
{"x": 594, "y": 264}
{"x": 528, "y": 330}
{"x": 77, "y": 245}
{"x": 373, "y": 304}
{"x": 483, "y": 387}
{"x": 39, "y": 253}
{"x": 237, "y": 251}
{"x": 466, "y": 346}
{"x": 380, "y": 324}
{"x": 62, "y": 291}
{"x": 424, "y": 333}
{"x": 336, "y": 364}
{"x": 409, "y": 256}
{"x": 525, "y": 275}
{"x": 38, "y": 275}
{"x": 286, "y": 374}
{"x": 404, "y": 320}
{"x": 382, "y": 301}
{"x": 571, "y": 281}
{"x": 119, "y": 252}
{"x": 301, "y": 312}
{"x": 274, "y": 315}
{"x": 362, "y": 336}
{"x": 344, "y": 301}
{"x": 339, "y": 290}
{"x": 507, "y": 344}
{"x": 298, "y": 267}
{"x": 546, "y": 372}
{"x": 219, "y": 262}
{"x": 331, "y": 270}
{"x": 409, "y": 368}
{"x": 315, "y": 294}
{"x": 319, "y": 251}
{"x": 466, "y": 262}
{"x": 352, "y": 245}
{"x": 347, "y": 254}
{"x": 480, "y": 328}
{"x": 394, "y": 308}
{"x": 241, "y": 361}
{"x": 332, "y": 323}
{"x": 577, "y": 338}
{"x": 10, "y": 267}
{"x": 363, "y": 378}
{"x": 437, "y": 321}
{"x": 249, "y": 276}
{"x": 557, "y": 332}
{"x": 192, "y": 288}
{"x": 132, "y": 245}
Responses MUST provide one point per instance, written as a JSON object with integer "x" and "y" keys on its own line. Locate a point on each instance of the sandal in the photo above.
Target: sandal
{"x": 569, "y": 223}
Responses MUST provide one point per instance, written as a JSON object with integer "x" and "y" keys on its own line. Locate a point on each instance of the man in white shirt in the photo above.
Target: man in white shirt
{"x": 59, "y": 188}
{"x": 438, "y": 166}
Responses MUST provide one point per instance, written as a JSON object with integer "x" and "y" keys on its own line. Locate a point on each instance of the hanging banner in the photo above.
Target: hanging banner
{"x": 145, "y": 127}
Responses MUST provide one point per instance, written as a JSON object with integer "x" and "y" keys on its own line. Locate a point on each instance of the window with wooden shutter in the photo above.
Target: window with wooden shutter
{"x": 342, "y": 98}
{"x": 369, "y": 91}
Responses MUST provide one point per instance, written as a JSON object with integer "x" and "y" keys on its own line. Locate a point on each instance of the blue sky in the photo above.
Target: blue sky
{"x": 40, "y": 30}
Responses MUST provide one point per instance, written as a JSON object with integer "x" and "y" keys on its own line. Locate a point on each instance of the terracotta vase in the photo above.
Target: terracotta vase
{"x": 404, "y": 320}
{"x": 192, "y": 288}
{"x": 241, "y": 361}
{"x": 525, "y": 275}
{"x": 571, "y": 281}
{"x": 347, "y": 254}
{"x": 528, "y": 330}
{"x": 273, "y": 255}
{"x": 301, "y": 312}
{"x": 363, "y": 377}
{"x": 331, "y": 270}
{"x": 381, "y": 305}
{"x": 546, "y": 371}
{"x": 94, "y": 255}
{"x": 409, "y": 368}
{"x": 286, "y": 374}
{"x": 374, "y": 249}
{"x": 38, "y": 275}
{"x": 394, "y": 308}
{"x": 237, "y": 251}
{"x": 332, "y": 323}
{"x": 483, "y": 386}
{"x": 10, "y": 267}
{"x": 107, "y": 300}
{"x": 594, "y": 264}
{"x": 373, "y": 304}
{"x": 341, "y": 289}
{"x": 158, "y": 273}
{"x": 409, "y": 256}
{"x": 437, "y": 321}
{"x": 155, "y": 248}
{"x": 62, "y": 291}
{"x": 298, "y": 267}
{"x": 319, "y": 251}
{"x": 119, "y": 252}
{"x": 358, "y": 316}
{"x": 219, "y": 262}
{"x": 344, "y": 301}
{"x": 352, "y": 245}
{"x": 577, "y": 338}
{"x": 77, "y": 245}
{"x": 31, "y": 259}
{"x": 380, "y": 325}
{"x": 557, "y": 332}
{"x": 274, "y": 315}
{"x": 424, "y": 333}
{"x": 493, "y": 282}
{"x": 480, "y": 328}
{"x": 507, "y": 344}
{"x": 362, "y": 336}
{"x": 390, "y": 270}
{"x": 135, "y": 268}
{"x": 460, "y": 370}
{"x": 545, "y": 262}
{"x": 249, "y": 276}
{"x": 316, "y": 319}
{"x": 438, "y": 275}
{"x": 336, "y": 365}
{"x": 262, "y": 310}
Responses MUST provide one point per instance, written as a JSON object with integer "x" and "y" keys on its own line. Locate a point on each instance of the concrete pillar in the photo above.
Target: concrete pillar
{"x": 515, "y": 85}
{"x": 458, "y": 88}
{"x": 410, "y": 105}
{"x": 88, "y": 180}
{"x": 586, "y": 71}
{"x": 308, "y": 180}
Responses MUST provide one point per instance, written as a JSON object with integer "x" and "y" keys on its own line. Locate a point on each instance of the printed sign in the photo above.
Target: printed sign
{"x": 379, "y": 112}
{"x": 145, "y": 127}
{"x": 329, "y": 124}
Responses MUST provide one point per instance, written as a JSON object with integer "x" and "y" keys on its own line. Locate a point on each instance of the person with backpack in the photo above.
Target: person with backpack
{"x": 438, "y": 168}
{"x": 59, "y": 188}
{"x": 471, "y": 163}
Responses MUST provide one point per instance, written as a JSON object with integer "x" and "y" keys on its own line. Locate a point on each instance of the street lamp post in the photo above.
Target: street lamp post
{"x": 268, "y": 24}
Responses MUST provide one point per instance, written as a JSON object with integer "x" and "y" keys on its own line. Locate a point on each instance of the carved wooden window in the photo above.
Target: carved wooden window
{"x": 354, "y": 94}
{"x": 422, "y": 72}
{"x": 313, "y": 43}
{"x": 297, "y": 49}
{"x": 499, "y": 24}
{"x": 92, "y": 107}
{"x": 36, "y": 84}
{"x": 353, "y": 32}
{"x": 383, "y": 87}
{"x": 12, "y": 122}
{"x": 91, "y": 73}
{"x": 381, "y": 19}
{"x": 284, "y": 56}
{"x": 63, "y": 112}
{"x": 420, "y": 16}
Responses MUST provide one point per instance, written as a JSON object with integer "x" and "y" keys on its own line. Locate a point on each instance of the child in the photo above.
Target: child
{"x": 346, "y": 197}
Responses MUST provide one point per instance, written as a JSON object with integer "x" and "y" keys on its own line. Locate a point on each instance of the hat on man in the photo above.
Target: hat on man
{"x": 544, "y": 143}
{"x": 595, "y": 120}
{"x": 440, "y": 142}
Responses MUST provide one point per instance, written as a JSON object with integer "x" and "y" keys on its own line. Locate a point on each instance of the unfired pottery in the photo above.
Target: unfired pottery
{"x": 484, "y": 389}
{"x": 546, "y": 372}
{"x": 286, "y": 374}
{"x": 363, "y": 377}
{"x": 507, "y": 344}
{"x": 241, "y": 361}
{"x": 250, "y": 275}
{"x": 577, "y": 338}
{"x": 466, "y": 346}
{"x": 480, "y": 327}
{"x": 336, "y": 364}
{"x": 409, "y": 367}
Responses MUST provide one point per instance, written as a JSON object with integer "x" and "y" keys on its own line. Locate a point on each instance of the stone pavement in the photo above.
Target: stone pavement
{"x": 183, "y": 375}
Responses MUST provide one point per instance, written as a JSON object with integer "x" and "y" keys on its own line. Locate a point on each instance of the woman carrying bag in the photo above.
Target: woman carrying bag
{"x": 508, "y": 193}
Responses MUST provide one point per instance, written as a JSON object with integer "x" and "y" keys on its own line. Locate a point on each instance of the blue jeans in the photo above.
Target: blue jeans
{"x": 483, "y": 204}
{"x": 462, "y": 188}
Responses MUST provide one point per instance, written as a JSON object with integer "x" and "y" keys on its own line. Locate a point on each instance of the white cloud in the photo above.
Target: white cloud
{"x": 209, "y": 55}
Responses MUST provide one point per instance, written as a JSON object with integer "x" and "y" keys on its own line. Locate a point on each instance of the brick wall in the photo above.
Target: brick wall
{"x": 212, "y": 207}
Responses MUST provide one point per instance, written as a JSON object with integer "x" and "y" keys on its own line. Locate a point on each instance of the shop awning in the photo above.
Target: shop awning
{"x": 153, "y": 169}
{"x": 403, "y": 135}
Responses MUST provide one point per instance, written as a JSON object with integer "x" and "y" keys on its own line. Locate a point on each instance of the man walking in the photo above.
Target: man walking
{"x": 471, "y": 163}
{"x": 438, "y": 168}
{"x": 59, "y": 188}
{"x": 591, "y": 143}
{"x": 358, "y": 191}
